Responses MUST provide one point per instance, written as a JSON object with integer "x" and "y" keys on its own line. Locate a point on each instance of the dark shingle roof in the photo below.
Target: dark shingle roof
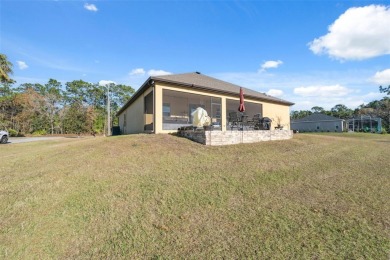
{"x": 199, "y": 81}
{"x": 317, "y": 117}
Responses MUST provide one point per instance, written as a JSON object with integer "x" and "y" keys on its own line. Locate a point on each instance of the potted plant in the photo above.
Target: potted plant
{"x": 279, "y": 123}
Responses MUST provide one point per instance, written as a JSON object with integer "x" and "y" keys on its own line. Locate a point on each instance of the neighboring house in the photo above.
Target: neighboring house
{"x": 318, "y": 123}
{"x": 165, "y": 103}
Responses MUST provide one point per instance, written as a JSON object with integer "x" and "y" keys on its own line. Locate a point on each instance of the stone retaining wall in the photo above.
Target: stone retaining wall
{"x": 235, "y": 137}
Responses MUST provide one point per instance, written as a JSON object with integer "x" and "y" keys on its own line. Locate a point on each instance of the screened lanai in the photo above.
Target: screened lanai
{"x": 365, "y": 124}
{"x": 178, "y": 106}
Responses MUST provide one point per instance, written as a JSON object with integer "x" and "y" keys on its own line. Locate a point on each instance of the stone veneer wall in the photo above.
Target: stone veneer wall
{"x": 235, "y": 137}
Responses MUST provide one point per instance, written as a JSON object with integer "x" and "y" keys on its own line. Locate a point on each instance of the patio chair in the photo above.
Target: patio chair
{"x": 234, "y": 120}
{"x": 246, "y": 122}
{"x": 256, "y": 121}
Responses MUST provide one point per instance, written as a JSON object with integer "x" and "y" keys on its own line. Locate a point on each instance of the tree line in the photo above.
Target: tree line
{"x": 53, "y": 108}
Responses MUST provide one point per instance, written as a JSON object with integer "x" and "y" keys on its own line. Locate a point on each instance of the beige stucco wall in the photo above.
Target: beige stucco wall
{"x": 136, "y": 118}
{"x": 277, "y": 113}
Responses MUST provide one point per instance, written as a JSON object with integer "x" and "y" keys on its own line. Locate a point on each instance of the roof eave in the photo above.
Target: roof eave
{"x": 220, "y": 91}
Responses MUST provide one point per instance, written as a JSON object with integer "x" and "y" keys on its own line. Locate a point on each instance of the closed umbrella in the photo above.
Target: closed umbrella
{"x": 241, "y": 108}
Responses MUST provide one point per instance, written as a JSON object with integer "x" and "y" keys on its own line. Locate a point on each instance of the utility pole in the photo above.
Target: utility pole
{"x": 108, "y": 111}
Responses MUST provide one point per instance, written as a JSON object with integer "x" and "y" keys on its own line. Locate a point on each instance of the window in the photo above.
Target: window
{"x": 124, "y": 119}
{"x": 166, "y": 109}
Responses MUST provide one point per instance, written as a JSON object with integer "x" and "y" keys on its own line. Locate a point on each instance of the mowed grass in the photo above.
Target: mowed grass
{"x": 165, "y": 197}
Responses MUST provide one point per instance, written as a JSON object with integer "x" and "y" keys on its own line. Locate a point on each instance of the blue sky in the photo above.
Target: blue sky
{"x": 313, "y": 53}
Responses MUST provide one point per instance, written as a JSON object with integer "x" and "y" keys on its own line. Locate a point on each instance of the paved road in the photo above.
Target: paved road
{"x": 16, "y": 140}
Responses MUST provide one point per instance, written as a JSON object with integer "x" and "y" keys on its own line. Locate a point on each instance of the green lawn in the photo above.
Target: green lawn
{"x": 163, "y": 197}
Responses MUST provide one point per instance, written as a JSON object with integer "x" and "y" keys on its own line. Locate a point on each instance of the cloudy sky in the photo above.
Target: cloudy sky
{"x": 313, "y": 53}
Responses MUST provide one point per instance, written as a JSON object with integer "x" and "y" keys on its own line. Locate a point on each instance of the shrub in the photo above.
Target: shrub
{"x": 40, "y": 132}
{"x": 12, "y": 133}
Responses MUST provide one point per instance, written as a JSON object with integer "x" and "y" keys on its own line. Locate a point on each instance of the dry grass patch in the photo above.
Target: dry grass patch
{"x": 160, "y": 196}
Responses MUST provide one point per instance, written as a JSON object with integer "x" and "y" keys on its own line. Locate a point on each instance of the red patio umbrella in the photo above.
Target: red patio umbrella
{"x": 241, "y": 108}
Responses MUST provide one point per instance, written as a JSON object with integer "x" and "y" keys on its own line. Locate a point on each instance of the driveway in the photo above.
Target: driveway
{"x": 16, "y": 140}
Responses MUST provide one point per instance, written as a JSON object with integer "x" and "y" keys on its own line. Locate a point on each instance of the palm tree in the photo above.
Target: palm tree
{"x": 5, "y": 69}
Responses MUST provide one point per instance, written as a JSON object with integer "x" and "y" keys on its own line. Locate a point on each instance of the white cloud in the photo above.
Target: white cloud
{"x": 152, "y": 72}
{"x": 22, "y": 65}
{"x": 158, "y": 72}
{"x": 382, "y": 77}
{"x": 359, "y": 33}
{"x": 327, "y": 88}
{"x": 138, "y": 75}
{"x": 106, "y": 82}
{"x": 271, "y": 64}
{"x": 138, "y": 71}
{"x": 322, "y": 91}
{"x": 275, "y": 92}
{"x": 91, "y": 7}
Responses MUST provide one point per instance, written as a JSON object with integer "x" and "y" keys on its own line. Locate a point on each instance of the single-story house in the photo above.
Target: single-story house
{"x": 165, "y": 103}
{"x": 318, "y": 122}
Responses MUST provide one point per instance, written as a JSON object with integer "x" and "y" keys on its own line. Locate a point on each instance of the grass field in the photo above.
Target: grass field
{"x": 163, "y": 197}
